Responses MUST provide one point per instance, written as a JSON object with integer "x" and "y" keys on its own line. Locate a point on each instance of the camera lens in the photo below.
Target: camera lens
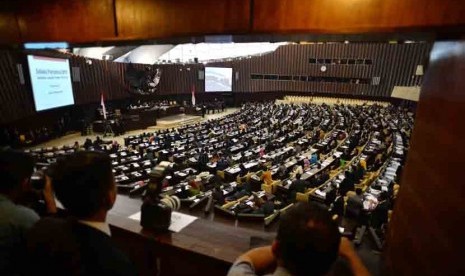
{"x": 172, "y": 201}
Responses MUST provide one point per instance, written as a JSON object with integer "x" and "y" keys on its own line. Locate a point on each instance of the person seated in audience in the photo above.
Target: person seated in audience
{"x": 115, "y": 146}
{"x": 282, "y": 171}
{"x": 307, "y": 243}
{"x": 314, "y": 158}
{"x": 215, "y": 157}
{"x": 335, "y": 164}
{"x": 80, "y": 244}
{"x": 297, "y": 186}
{"x": 16, "y": 219}
{"x": 222, "y": 163}
{"x": 346, "y": 155}
{"x": 218, "y": 195}
{"x": 363, "y": 165}
{"x": 333, "y": 144}
{"x": 195, "y": 187}
{"x": 177, "y": 166}
{"x": 324, "y": 176}
{"x": 354, "y": 206}
{"x": 267, "y": 176}
{"x": 297, "y": 169}
{"x": 306, "y": 163}
{"x": 76, "y": 146}
{"x": 348, "y": 184}
{"x": 298, "y": 149}
{"x": 263, "y": 206}
{"x": 358, "y": 172}
{"x": 168, "y": 180}
{"x": 377, "y": 164}
{"x": 190, "y": 177}
{"x": 148, "y": 155}
{"x": 97, "y": 141}
{"x": 87, "y": 144}
{"x": 230, "y": 160}
{"x": 244, "y": 171}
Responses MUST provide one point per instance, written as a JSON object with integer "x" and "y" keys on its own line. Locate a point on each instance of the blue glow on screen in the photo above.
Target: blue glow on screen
{"x": 46, "y": 45}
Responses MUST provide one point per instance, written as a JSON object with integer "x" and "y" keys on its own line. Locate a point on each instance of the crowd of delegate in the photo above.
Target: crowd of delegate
{"x": 290, "y": 149}
{"x": 265, "y": 157}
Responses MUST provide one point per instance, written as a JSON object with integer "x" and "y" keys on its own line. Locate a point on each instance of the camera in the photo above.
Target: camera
{"x": 38, "y": 177}
{"x": 156, "y": 210}
{"x": 38, "y": 180}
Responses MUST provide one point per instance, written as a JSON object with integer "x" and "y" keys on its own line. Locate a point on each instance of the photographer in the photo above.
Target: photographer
{"x": 15, "y": 218}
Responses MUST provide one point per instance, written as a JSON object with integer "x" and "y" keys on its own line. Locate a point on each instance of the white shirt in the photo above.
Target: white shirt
{"x": 101, "y": 226}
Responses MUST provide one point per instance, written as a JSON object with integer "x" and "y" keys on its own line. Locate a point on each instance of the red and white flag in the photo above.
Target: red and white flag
{"x": 104, "y": 110}
{"x": 193, "y": 95}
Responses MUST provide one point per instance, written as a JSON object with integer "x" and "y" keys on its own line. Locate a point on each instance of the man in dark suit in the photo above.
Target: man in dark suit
{"x": 80, "y": 244}
{"x": 297, "y": 186}
{"x": 380, "y": 214}
{"x": 355, "y": 205}
{"x": 338, "y": 205}
{"x": 348, "y": 184}
{"x": 203, "y": 160}
{"x": 222, "y": 164}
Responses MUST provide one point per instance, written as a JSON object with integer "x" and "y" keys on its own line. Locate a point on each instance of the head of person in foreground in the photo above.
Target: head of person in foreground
{"x": 85, "y": 185}
{"x": 307, "y": 241}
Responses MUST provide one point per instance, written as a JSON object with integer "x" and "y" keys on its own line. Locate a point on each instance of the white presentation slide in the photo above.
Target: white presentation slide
{"x": 51, "y": 82}
{"x": 218, "y": 79}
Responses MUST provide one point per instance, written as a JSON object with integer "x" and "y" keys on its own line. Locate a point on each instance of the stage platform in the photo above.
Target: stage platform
{"x": 176, "y": 121}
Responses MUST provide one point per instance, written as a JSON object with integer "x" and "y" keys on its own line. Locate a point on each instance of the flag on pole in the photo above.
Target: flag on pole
{"x": 104, "y": 110}
{"x": 193, "y": 95}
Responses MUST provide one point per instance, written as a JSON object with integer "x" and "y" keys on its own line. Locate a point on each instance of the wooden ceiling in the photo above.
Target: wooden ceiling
{"x": 96, "y": 21}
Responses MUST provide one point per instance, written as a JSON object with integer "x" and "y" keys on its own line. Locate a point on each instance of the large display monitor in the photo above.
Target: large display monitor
{"x": 218, "y": 79}
{"x": 51, "y": 82}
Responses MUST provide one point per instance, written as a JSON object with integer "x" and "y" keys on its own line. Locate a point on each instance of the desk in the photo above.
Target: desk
{"x": 159, "y": 111}
{"x": 231, "y": 173}
{"x": 207, "y": 246}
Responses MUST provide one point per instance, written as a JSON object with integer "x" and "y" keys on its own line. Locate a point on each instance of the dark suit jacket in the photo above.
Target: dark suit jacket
{"x": 67, "y": 247}
{"x": 380, "y": 214}
{"x": 354, "y": 206}
{"x": 338, "y": 206}
{"x": 296, "y": 186}
{"x": 346, "y": 185}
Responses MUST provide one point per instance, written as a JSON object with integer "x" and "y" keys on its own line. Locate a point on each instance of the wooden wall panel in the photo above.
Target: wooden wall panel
{"x": 426, "y": 235}
{"x": 9, "y": 31}
{"x": 90, "y": 21}
{"x": 71, "y": 20}
{"x": 167, "y": 18}
{"x": 99, "y": 77}
{"x": 395, "y": 64}
{"x": 15, "y": 99}
{"x": 179, "y": 79}
{"x": 355, "y": 16}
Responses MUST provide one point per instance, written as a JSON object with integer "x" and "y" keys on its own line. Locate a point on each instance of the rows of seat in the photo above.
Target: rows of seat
{"x": 330, "y": 100}
{"x": 289, "y": 134}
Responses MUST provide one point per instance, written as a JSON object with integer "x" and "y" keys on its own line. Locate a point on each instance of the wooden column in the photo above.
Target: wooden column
{"x": 426, "y": 235}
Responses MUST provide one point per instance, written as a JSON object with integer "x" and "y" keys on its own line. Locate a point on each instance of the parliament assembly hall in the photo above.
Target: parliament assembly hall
{"x": 232, "y": 137}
